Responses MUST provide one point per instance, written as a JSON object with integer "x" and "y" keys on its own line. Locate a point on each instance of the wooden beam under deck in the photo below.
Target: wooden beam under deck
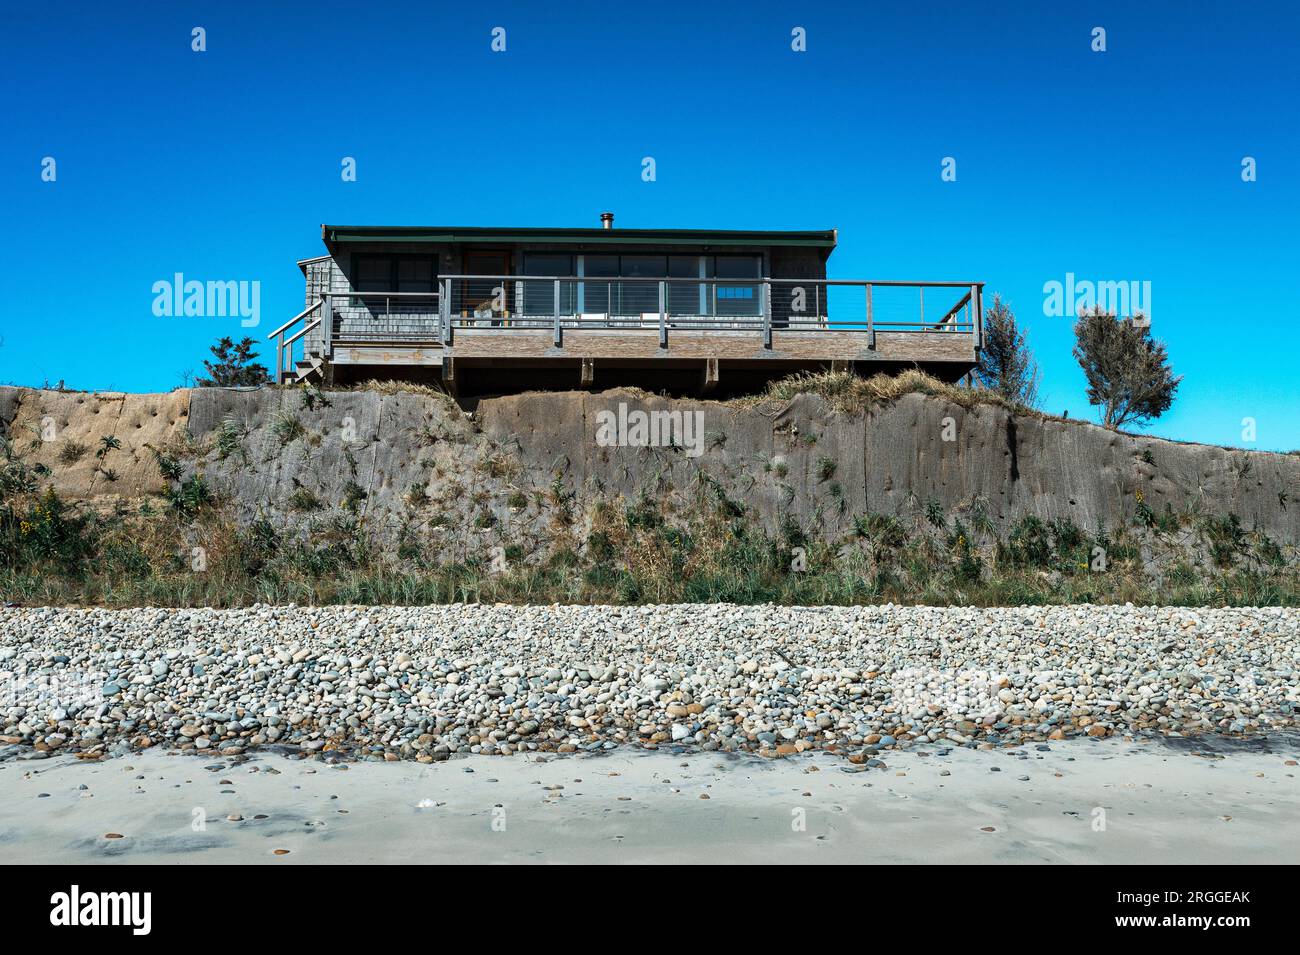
{"x": 501, "y": 360}
{"x": 387, "y": 353}
{"x": 917, "y": 347}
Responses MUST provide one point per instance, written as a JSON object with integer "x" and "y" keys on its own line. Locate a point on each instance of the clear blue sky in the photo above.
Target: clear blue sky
{"x": 222, "y": 165}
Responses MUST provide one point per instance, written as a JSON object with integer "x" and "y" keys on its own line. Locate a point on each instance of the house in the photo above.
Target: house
{"x": 490, "y": 310}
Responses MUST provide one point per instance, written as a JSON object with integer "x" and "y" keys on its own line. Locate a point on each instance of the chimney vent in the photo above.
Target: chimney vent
{"x": 607, "y": 220}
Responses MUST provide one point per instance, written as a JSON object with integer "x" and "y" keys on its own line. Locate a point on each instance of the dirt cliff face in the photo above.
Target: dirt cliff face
{"x": 413, "y": 463}
{"x": 825, "y": 467}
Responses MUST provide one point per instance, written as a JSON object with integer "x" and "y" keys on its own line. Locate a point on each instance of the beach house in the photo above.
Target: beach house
{"x": 485, "y": 310}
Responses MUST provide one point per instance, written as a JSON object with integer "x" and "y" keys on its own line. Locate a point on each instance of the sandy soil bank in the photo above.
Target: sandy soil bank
{"x": 1114, "y": 801}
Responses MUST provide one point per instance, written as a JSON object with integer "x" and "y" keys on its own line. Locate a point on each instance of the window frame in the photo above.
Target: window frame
{"x": 393, "y": 259}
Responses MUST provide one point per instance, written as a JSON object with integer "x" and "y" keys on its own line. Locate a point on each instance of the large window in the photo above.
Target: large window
{"x": 539, "y": 297}
{"x": 739, "y": 298}
{"x": 697, "y": 285}
{"x": 597, "y": 295}
{"x": 394, "y": 273}
{"x": 691, "y": 289}
{"x": 687, "y": 298}
{"x": 637, "y": 297}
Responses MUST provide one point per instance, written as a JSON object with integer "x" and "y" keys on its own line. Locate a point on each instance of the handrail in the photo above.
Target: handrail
{"x": 284, "y": 346}
{"x": 301, "y": 332}
{"x": 297, "y": 318}
{"x": 694, "y": 280}
{"x": 385, "y": 294}
{"x": 957, "y": 308}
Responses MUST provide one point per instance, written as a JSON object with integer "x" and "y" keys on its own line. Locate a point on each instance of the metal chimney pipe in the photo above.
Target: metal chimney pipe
{"x": 607, "y": 220}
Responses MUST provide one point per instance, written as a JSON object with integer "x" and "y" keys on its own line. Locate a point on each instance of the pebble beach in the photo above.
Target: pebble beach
{"x": 429, "y": 683}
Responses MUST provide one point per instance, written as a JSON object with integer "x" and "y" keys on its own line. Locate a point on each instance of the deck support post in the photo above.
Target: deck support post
{"x": 710, "y": 376}
{"x": 871, "y": 326}
{"x": 767, "y": 315}
{"x": 588, "y": 373}
{"x": 977, "y": 303}
{"x": 663, "y": 318}
{"x": 449, "y": 374}
{"x": 558, "y": 337}
{"x": 279, "y": 359}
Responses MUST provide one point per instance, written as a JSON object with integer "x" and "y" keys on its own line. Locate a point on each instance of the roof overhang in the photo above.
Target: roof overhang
{"x": 303, "y": 263}
{"x": 468, "y": 234}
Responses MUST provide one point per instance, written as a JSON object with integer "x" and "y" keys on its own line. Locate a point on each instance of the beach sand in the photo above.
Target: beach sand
{"x": 1083, "y": 801}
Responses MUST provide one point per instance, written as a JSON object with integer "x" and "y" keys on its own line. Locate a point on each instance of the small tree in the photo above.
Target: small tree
{"x": 1006, "y": 364}
{"x": 1128, "y": 372}
{"x": 236, "y": 364}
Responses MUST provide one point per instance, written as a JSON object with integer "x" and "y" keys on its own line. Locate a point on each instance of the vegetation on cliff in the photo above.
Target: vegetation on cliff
{"x": 183, "y": 549}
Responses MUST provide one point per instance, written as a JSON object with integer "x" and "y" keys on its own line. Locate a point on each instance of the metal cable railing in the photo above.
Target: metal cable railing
{"x": 707, "y": 304}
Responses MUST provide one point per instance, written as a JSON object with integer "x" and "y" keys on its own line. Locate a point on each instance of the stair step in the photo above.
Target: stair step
{"x": 307, "y": 368}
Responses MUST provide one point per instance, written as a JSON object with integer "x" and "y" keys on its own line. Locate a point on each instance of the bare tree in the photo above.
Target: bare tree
{"x": 1128, "y": 372}
{"x": 1006, "y": 365}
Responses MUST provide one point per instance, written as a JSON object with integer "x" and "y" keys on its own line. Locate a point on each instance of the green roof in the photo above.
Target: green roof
{"x": 599, "y": 236}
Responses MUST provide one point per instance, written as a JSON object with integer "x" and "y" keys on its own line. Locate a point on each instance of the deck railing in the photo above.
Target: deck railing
{"x": 662, "y": 304}
{"x": 712, "y": 304}
{"x": 356, "y": 317}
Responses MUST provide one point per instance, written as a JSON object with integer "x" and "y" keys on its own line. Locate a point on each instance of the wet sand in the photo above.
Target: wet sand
{"x": 1084, "y": 801}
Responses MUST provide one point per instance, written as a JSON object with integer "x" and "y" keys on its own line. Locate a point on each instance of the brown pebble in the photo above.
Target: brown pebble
{"x": 280, "y": 852}
{"x": 114, "y": 835}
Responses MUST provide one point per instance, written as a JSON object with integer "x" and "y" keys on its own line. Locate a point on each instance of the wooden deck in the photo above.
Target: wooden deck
{"x": 488, "y": 346}
{"x": 482, "y": 360}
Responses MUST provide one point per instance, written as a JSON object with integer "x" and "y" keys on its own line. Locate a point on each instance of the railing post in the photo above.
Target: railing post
{"x": 663, "y": 318}
{"x": 443, "y": 314}
{"x": 871, "y": 325}
{"x": 559, "y": 332}
{"x": 450, "y": 338}
{"x": 279, "y": 358}
{"x": 767, "y": 315}
{"x": 327, "y": 326}
{"x": 977, "y": 303}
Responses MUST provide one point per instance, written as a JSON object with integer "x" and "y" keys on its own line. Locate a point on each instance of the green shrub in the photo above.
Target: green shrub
{"x": 190, "y": 497}
{"x": 71, "y": 452}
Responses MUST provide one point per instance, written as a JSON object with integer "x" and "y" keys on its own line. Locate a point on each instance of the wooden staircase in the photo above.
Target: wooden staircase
{"x": 309, "y": 368}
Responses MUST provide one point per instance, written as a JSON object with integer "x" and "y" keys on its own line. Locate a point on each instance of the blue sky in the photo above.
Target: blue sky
{"x": 1122, "y": 165}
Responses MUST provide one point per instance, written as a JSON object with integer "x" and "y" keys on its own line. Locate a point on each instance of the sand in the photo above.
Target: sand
{"x": 1085, "y": 801}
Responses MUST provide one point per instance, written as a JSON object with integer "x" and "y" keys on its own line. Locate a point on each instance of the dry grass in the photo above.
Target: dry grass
{"x": 847, "y": 392}
{"x": 381, "y": 387}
